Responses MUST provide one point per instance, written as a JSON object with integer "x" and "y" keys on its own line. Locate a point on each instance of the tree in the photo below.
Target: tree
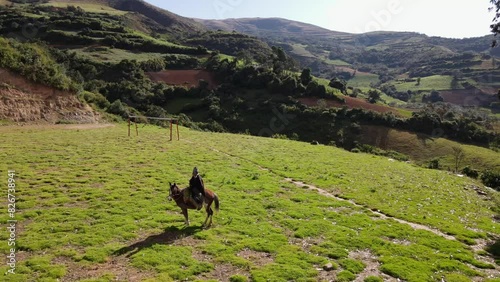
{"x": 373, "y": 96}
{"x": 458, "y": 156}
{"x": 495, "y": 26}
{"x": 339, "y": 84}
{"x": 305, "y": 76}
{"x": 433, "y": 97}
{"x": 418, "y": 81}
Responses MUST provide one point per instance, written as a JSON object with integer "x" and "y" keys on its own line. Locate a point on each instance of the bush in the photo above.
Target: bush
{"x": 491, "y": 179}
{"x": 34, "y": 62}
{"x": 434, "y": 164}
{"x": 470, "y": 172}
{"x": 117, "y": 108}
{"x": 96, "y": 98}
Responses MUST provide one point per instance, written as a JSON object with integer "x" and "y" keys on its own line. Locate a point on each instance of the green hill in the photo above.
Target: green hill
{"x": 98, "y": 210}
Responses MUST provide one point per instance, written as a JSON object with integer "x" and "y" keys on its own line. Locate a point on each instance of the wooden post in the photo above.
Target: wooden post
{"x": 178, "y": 136}
{"x": 136, "y": 129}
{"x": 171, "y": 125}
{"x": 128, "y": 127}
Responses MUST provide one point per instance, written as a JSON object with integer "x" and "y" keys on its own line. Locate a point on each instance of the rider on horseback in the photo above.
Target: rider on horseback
{"x": 196, "y": 191}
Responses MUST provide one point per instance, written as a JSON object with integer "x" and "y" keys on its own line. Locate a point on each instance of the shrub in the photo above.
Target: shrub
{"x": 491, "y": 179}
{"x": 117, "y": 108}
{"x": 470, "y": 172}
{"x": 434, "y": 164}
{"x": 96, "y": 98}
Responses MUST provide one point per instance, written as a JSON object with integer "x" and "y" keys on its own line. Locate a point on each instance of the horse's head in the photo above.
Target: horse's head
{"x": 174, "y": 190}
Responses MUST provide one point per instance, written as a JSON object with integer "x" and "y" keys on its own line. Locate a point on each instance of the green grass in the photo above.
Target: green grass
{"x": 88, "y": 7}
{"x": 363, "y": 80}
{"x": 300, "y": 49}
{"x": 435, "y": 82}
{"x": 113, "y": 55}
{"x": 336, "y": 62}
{"x": 423, "y": 148}
{"x": 96, "y": 199}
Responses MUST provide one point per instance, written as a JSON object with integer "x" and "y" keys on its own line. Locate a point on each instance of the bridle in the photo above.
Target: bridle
{"x": 174, "y": 196}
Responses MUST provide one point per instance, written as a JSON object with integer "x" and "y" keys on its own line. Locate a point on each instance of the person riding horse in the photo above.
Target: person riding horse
{"x": 196, "y": 190}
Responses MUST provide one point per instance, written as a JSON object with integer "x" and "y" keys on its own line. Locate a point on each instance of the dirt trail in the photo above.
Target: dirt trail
{"x": 327, "y": 194}
{"x": 480, "y": 245}
{"x": 377, "y": 213}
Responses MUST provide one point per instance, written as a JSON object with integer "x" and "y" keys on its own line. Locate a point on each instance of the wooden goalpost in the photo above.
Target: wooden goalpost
{"x": 172, "y": 121}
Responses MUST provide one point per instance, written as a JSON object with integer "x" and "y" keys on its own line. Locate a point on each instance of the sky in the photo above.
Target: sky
{"x": 445, "y": 18}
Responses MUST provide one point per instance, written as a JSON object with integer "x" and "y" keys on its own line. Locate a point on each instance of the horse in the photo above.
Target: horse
{"x": 177, "y": 195}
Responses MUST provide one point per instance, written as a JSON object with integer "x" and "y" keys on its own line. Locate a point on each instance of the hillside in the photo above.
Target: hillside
{"x": 264, "y": 27}
{"x": 96, "y": 211}
{"x": 316, "y": 201}
{"x": 131, "y": 58}
{"x": 27, "y": 102}
{"x": 384, "y": 54}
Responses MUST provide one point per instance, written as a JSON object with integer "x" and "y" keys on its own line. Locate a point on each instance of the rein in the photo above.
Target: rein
{"x": 177, "y": 195}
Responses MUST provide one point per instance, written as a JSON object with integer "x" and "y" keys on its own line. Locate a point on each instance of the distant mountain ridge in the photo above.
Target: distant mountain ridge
{"x": 262, "y": 26}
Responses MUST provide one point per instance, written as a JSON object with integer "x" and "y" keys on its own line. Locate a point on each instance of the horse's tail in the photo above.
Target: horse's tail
{"x": 216, "y": 200}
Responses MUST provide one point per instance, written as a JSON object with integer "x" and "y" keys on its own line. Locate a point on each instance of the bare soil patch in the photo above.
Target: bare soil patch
{"x": 188, "y": 78}
{"x": 349, "y": 102}
{"x": 118, "y": 267}
{"x": 468, "y": 97}
{"x": 27, "y": 102}
{"x": 257, "y": 258}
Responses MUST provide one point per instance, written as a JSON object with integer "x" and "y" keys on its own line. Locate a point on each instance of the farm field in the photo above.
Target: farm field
{"x": 423, "y": 148}
{"x": 363, "y": 80}
{"x": 113, "y": 55}
{"x": 188, "y": 78}
{"x": 435, "y": 82}
{"x": 91, "y": 205}
{"x": 93, "y": 6}
{"x": 350, "y": 102}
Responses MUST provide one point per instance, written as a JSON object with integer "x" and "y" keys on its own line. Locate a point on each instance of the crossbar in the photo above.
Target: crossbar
{"x": 155, "y": 118}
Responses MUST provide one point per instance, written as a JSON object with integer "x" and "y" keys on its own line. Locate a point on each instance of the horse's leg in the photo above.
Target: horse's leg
{"x": 211, "y": 213}
{"x": 185, "y": 213}
{"x": 208, "y": 202}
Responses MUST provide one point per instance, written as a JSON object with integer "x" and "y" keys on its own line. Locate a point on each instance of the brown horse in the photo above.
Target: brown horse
{"x": 177, "y": 195}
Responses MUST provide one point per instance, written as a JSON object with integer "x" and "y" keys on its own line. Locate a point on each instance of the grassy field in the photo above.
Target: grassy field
{"x": 423, "y": 148}
{"x": 363, "y": 80}
{"x": 335, "y": 62}
{"x": 435, "y": 82}
{"x": 91, "y": 206}
{"x": 89, "y": 7}
{"x": 300, "y": 49}
{"x": 114, "y": 55}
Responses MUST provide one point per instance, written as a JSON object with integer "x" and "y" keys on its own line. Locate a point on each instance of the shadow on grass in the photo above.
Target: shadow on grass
{"x": 169, "y": 236}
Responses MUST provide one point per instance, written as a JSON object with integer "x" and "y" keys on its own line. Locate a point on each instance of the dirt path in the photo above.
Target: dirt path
{"x": 377, "y": 213}
{"x": 87, "y": 126}
{"x": 480, "y": 245}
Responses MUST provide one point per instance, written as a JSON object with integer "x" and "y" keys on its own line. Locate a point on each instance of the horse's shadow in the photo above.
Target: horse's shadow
{"x": 169, "y": 236}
